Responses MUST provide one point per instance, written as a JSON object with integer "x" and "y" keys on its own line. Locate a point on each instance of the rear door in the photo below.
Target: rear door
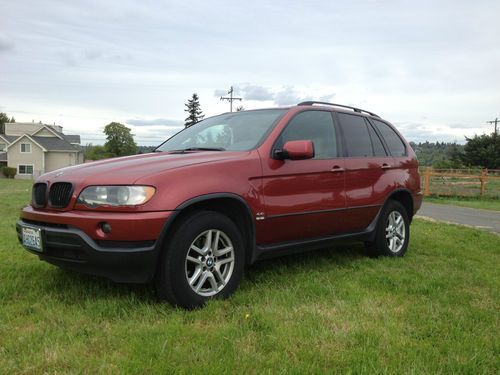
{"x": 305, "y": 198}
{"x": 368, "y": 166}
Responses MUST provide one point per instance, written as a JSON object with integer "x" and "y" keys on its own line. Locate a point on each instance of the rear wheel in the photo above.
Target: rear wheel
{"x": 203, "y": 259}
{"x": 392, "y": 233}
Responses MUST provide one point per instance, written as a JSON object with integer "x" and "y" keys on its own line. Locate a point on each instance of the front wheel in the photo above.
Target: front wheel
{"x": 204, "y": 259}
{"x": 392, "y": 233}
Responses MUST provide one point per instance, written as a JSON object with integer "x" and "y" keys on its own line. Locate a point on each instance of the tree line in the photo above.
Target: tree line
{"x": 481, "y": 151}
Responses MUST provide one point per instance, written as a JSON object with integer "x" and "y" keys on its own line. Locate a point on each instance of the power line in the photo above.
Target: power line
{"x": 230, "y": 99}
{"x": 494, "y": 122}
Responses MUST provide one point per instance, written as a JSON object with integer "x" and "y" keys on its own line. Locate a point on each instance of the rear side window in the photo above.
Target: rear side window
{"x": 378, "y": 148}
{"x": 316, "y": 126}
{"x": 393, "y": 141}
{"x": 356, "y": 135}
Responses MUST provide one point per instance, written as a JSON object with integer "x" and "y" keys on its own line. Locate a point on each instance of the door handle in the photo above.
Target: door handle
{"x": 337, "y": 169}
{"x": 385, "y": 166}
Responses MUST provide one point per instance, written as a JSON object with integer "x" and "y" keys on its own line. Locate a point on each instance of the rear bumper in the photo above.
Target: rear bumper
{"x": 71, "y": 248}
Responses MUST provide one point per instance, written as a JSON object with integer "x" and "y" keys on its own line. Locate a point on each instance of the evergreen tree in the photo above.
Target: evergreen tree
{"x": 12, "y": 119}
{"x": 3, "y": 119}
{"x": 483, "y": 151}
{"x": 194, "y": 110}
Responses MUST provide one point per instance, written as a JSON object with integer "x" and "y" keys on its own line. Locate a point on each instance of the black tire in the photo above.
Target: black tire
{"x": 171, "y": 280}
{"x": 381, "y": 246}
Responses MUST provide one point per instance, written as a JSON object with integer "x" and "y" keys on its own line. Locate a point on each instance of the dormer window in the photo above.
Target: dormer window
{"x": 26, "y": 148}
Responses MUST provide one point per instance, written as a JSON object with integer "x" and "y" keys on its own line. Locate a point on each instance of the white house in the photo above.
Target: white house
{"x": 34, "y": 149}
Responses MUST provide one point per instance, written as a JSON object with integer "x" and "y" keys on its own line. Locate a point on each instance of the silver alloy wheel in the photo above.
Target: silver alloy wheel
{"x": 395, "y": 232}
{"x": 209, "y": 262}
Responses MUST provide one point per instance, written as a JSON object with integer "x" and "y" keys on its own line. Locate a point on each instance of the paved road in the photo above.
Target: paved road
{"x": 484, "y": 219}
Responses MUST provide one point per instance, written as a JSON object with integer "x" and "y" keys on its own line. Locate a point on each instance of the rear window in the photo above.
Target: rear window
{"x": 356, "y": 135}
{"x": 392, "y": 139}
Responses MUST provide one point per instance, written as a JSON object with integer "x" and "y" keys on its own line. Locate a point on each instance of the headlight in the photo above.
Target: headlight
{"x": 94, "y": 196}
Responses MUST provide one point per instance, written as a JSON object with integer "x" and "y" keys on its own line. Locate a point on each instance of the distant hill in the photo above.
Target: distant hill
{"x": 145, "y": 149}
{"x": 430, "y": 153}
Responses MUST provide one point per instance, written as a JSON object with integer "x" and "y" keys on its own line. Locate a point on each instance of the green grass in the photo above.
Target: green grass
{"x": 484, "y": 204}
{"x": 434, "y": 311}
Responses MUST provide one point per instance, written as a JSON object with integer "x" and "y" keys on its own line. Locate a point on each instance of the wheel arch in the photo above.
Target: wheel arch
{"x": 229, "y": 204}
{"x": 404, "y": 197}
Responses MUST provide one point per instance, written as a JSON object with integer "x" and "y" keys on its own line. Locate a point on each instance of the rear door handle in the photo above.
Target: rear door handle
{"x": 337, "y": 169}
{"x": 385, "y": 166}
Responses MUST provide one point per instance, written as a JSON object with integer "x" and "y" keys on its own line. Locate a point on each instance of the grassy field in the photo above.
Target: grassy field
{"x": 484, "y": 204}
{"x": 434, "y": 311}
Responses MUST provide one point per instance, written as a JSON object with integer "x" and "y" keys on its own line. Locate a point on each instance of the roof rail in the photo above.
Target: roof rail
{"x": 358, "y": 110}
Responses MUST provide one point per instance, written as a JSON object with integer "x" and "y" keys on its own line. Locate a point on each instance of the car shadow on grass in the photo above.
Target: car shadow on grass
{"x": 76, "y": 288}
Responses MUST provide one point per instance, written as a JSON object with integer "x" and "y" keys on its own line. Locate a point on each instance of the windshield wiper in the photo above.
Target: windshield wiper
{"x": 200, "y": 149}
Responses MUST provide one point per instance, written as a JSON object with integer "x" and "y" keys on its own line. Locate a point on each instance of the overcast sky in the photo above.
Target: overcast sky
{"x": 430, "y": 67}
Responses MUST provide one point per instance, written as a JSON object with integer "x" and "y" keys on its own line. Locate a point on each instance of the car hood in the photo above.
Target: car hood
{"x": 128, "y": 169}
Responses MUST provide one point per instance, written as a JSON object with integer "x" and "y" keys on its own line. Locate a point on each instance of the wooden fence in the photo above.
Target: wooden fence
{"x": 461, "y": 182}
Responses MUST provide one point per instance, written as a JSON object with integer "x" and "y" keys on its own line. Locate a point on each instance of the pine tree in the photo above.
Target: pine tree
{"x": 194, "y": 111}
{"x": 3, "y": 119}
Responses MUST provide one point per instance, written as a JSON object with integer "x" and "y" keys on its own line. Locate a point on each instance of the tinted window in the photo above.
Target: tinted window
{"x": 378, "y": 148}
{"x": 316, "y": 126}
{"x": 357, "y": 137}
{"x": 395, "y": 144}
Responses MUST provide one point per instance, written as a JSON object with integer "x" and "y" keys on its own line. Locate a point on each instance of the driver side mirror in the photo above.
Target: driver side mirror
{"x": 296, "y": 150}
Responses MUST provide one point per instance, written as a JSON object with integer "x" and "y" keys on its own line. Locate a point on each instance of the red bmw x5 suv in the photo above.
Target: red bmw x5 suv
{"x": 226, "y": 192}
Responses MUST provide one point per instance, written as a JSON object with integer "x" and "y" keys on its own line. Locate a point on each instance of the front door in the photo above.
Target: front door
{"x": 305, "y": 198}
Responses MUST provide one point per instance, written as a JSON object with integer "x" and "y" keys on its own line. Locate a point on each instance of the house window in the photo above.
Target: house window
{"x": 26, "y": 147}
{"x": 25, "y": 169}
{"x": 2, "y": 146}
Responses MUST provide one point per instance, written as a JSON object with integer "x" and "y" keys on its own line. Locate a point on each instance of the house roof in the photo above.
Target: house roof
{"x": 9, "y": 138}
{"x": 55, "y": 144}
{"x": 72, "y": 138}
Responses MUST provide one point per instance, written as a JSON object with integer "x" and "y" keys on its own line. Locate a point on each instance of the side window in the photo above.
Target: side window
{"x": 25, "y": 147}
{"x": 316, "y": 126}
{"x": 378, "y": 148}
{"x": 357, "y": 137}
{"x": 393, "y": 141}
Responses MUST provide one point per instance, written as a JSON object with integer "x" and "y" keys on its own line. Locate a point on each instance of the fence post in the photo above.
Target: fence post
{"x": 427, "y": 172}
{"x": 483, "y": 178}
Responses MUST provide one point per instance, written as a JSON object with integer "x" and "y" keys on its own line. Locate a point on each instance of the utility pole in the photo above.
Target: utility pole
{"x": 494, "y": 122}
{"x": 230, "y": 99}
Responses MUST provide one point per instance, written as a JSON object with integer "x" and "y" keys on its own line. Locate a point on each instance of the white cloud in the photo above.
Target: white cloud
{"x": 157, "y": 121}
{"x": 421, "y": 62}
{"x": 5, "y": 43}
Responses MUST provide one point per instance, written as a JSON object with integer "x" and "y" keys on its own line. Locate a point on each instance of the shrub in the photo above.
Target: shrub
{"x": 9, "y": 172}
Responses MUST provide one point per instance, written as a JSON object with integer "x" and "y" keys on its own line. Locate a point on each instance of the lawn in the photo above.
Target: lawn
{"x": 434, "y": 311}
{"x": 471, "y": 202}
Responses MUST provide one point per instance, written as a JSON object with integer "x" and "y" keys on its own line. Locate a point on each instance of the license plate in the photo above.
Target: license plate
{"x": 32, "y": 238}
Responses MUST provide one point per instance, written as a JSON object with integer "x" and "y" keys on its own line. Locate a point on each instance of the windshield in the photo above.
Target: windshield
{"x": 236, "y": 131}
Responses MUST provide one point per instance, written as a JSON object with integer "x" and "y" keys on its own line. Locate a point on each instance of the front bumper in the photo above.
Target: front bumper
{"x": 71, "y": 248}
